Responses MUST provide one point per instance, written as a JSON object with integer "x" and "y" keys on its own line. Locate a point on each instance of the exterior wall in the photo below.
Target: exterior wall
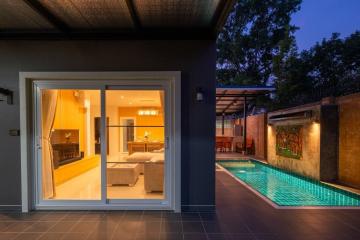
{"x": 196, "y": 61}
{"x": 256, "y": 130}
{"x": 329, "y": 125}
{"x": 349, "y": 140}
{"x": 309, "y": 164}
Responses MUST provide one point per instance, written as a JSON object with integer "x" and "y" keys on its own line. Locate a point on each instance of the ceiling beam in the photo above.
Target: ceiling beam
{"x": 49, "y": 16}
{"x": 239, "y": 95}
{"x": 134, "y": 16}
{"x": 219, "y": 98}
{"x": 109, "y": 34}
{"x": 229, "y": 105}
{"x": 221, "y": 13}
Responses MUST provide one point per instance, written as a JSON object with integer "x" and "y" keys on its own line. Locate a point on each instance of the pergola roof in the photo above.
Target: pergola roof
{"x": 112, "y": 18}
{"x": 231, "y": 99}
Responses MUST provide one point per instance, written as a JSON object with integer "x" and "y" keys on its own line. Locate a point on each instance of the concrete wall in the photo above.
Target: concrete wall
{"x": 309, "y": 164}
{"x": 256, "y": 130}
{"x": 333, "y": 155}
{"x": 196, "y": 61}
{"x": 349, "y": 140}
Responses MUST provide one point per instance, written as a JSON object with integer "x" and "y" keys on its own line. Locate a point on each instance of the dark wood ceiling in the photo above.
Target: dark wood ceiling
{"x": 160, "y": 19}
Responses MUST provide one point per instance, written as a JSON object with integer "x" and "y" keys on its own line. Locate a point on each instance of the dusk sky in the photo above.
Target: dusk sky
{"x": 318, "y": 19}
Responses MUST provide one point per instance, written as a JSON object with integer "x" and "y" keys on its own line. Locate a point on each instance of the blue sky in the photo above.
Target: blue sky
{"x": 318, "y": 19}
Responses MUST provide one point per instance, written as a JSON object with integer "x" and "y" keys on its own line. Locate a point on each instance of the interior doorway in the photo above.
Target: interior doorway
{"x": 128, "y": 133}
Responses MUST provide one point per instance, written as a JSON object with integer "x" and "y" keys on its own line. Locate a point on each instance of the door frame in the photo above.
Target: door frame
{"x": 96, "y": 79}
{"x": 121, "y": 133}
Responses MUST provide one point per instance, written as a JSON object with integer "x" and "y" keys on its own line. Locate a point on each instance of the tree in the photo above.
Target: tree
{"x": 329, "y": 68}
{"x": 255, "y": 33}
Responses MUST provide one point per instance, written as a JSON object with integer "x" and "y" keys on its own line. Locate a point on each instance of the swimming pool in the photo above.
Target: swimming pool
{"x": 287, "y": 189}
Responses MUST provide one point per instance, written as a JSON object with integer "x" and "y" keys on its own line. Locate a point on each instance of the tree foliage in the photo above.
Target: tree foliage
{"x": 257, "y": 47}
{"x": 255, "y": 32}
{"x": 330, "y": 68}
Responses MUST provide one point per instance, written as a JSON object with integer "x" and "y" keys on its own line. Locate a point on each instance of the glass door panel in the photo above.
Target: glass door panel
{"x": 70, "y": 162}
{"x": 136, "y": 133}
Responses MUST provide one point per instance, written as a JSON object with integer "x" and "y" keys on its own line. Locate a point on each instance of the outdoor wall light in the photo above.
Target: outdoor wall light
{"x": 199, "y": 95}
{"x": 8, "y": 94}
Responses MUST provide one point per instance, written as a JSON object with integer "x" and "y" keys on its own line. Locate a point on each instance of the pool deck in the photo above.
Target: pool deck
{"x": 240, "y": 214}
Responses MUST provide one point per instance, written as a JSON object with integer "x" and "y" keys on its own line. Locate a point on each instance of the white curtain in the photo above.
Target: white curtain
{"x": 48, "y": 107}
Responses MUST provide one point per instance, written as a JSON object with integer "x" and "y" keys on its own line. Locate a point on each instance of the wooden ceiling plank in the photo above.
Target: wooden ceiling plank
{"x": 134, "y": 16}
{"x": 49, "y": 16}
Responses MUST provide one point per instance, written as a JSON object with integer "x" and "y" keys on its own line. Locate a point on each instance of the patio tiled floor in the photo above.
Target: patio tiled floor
{"x": 240, "y": 215}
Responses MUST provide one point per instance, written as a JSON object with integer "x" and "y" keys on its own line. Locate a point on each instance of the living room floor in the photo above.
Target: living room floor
{"x": 240, "y": 214}
{"x": 87, "y": 186}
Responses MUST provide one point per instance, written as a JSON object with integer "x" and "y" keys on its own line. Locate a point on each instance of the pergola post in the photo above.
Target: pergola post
{"x": 244, "y": 129}
{"x": 223, "y": 124}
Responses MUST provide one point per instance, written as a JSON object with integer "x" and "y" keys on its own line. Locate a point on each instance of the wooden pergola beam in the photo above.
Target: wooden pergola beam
{"x": 134, "y": 16}
{"x": 45, "y": 13}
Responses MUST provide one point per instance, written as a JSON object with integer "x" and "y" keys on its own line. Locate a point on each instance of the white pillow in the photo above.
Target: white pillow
{"x": 157, "y": 158}
{"x": 161, "y": 150}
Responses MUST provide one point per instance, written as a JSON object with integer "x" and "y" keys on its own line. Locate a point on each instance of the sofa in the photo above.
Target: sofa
{"x": 154, "y": 176}
{"x": 142, "y": 157}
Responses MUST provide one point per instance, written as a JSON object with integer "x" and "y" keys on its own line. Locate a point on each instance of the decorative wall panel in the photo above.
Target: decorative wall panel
{"x": 289, "y": 141}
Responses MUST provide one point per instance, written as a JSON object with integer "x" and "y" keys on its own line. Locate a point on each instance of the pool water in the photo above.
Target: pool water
{"x": 287, "y": 189}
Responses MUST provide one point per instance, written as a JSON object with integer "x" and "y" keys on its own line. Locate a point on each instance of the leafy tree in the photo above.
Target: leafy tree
{"x": 330, "y": 68}
{"x": 255, "y": 33}
{"x": 257, "y": 47}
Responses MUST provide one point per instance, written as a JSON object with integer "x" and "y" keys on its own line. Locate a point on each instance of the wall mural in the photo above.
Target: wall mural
{"x": 289, "y": 141}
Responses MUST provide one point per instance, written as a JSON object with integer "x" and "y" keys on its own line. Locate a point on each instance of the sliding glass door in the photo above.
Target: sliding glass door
{"x": 102, "y": 145}
{"x": 136, "y": 122}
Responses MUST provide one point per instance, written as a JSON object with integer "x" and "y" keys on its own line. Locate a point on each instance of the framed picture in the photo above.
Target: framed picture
{"x": 289, "y": 141}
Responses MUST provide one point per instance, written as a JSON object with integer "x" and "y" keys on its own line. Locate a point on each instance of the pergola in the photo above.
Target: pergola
{"x": 235, "y": 99}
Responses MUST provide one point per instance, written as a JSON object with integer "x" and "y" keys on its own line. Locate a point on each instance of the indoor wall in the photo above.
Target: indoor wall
{"x": 156, "y": 134}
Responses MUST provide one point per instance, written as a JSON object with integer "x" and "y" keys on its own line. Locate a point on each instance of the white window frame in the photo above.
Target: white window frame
{"x": 99, "y": 80}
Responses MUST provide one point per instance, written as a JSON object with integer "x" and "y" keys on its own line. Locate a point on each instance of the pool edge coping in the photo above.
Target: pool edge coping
{"x": 274, "y": 205}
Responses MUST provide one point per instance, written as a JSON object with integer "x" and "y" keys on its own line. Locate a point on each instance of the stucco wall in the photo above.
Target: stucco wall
{"x": 309, "y": 164}
{"x": 349, "y": 140}
{"x": 196, "y": 61}
{"x": 256, "y": 130}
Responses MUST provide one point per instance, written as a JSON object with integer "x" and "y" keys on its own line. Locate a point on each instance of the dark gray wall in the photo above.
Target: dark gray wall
{"x": 196, "y": 61}
{"x": 329, "y": 137}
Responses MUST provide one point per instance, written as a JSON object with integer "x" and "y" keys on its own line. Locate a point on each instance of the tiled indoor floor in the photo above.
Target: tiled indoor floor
{"x": 240, "y": 215}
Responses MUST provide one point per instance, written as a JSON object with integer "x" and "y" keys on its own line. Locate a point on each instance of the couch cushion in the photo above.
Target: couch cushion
{"x": 140, "y": 157}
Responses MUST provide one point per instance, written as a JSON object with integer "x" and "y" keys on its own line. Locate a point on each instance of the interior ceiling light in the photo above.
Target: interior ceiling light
{"x": 148, "y": 112}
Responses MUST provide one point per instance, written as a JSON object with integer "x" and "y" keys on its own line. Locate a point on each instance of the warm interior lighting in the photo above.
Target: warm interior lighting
{"x": 148, "y": 112}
